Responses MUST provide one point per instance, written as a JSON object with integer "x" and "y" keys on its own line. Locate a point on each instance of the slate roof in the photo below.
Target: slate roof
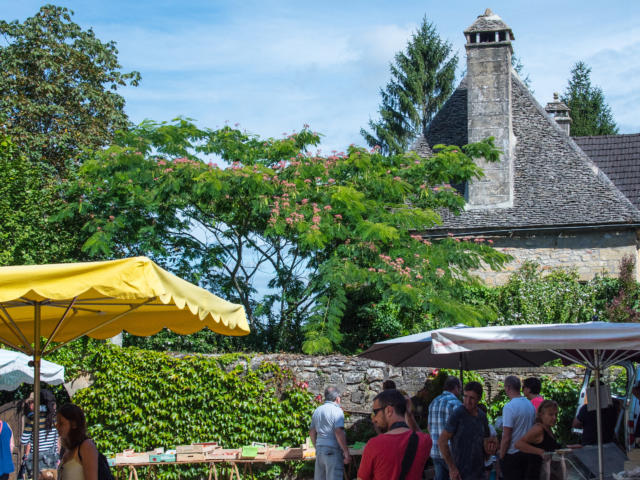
{"x": 619, "y": 157}
{"x": 556, "y": 184}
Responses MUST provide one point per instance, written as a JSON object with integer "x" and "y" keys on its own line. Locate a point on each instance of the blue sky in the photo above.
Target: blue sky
{"x": 272, "y": 66}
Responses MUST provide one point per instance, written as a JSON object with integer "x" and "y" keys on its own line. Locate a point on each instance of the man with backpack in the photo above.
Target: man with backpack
{"x": 398, "y": 452}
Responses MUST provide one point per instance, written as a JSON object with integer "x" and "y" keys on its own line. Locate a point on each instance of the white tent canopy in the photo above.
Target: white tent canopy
{"x": 593, "y": 344}
{"x": 415, "y": 351}
{"x": 596, "y": 345}
{"x": 15, "y": 370}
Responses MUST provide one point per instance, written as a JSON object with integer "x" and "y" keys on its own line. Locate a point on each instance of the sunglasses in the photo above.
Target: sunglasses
{"x": 376, "y": 410}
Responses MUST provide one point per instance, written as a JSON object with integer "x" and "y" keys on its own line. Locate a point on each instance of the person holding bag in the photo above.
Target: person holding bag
{"x": 80, "y": 458}
{"x": 399, "y": 453}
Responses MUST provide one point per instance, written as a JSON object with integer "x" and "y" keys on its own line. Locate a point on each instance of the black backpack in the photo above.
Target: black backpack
{"x": 104, "y": 471}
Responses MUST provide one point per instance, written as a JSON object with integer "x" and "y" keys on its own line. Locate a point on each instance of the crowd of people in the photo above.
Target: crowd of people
{"x": 461, "y": 442}
{"x": 65, "y": 450}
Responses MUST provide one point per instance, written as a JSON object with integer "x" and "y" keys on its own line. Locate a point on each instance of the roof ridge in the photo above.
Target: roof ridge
{"x": 574, "y": 146}
{"x": 616, "y": 135}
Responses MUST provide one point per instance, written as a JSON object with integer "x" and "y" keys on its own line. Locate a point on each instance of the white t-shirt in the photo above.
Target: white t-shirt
{"x": 519, "y": 414}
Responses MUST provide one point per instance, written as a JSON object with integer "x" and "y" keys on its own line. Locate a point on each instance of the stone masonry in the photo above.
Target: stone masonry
{"x": 489, "y": 108}
{"x": 590, "y": 254}
{"x": 360, "y": 379}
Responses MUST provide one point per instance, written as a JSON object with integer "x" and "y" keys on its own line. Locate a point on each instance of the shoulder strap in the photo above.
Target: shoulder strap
{"x": 485, "y": 426}
{"x": 409, "y": 455}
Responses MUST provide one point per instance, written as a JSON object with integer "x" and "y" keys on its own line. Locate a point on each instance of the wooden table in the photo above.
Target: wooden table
{"x": 232, "y": 464}
{"x": 234, "y": 473}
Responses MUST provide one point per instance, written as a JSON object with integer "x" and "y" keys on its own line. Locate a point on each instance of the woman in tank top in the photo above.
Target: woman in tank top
{"x": 540, "y": 440}
{"x": 80, "y": 459}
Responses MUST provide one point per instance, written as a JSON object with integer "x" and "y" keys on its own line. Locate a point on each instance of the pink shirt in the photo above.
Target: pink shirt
{"x": 537, "y": 401}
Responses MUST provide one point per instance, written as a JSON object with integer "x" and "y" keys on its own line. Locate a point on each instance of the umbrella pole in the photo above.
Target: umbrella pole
{"x": 36, "y": 394}
{"x": 598, "y": 416}
{"x": 461, "y": 370}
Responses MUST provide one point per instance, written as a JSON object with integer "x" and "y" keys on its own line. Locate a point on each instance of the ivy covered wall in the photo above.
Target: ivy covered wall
{"x": 143, "y": 399}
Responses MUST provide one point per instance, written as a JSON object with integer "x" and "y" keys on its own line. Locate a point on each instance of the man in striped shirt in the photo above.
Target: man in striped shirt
{"x": 439, "y": 411}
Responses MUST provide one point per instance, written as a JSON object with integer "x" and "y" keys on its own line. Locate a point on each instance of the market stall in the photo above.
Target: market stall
{"x": 43, "y": 307}
{"x": 216, "y": 457}
{"x": 596, "y": 345}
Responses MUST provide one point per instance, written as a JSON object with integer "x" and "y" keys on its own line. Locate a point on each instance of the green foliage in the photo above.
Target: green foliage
{"x": 421, "y": 81}
{"x": 625, "y": 305}
{"x": 28, "y": 197}
{"x": 531, "y": 297}
{"x": 321, "y": 227}
{"x": 142, "y": 400}
{"x": 204, "y": 341}
{"x": 590, "y": 114}
{"x": 57, "y": 89}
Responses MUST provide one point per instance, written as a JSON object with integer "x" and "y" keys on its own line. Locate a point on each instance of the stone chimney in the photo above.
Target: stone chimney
{"x": 560, "y": 113}
{"x": 489, "y": 107}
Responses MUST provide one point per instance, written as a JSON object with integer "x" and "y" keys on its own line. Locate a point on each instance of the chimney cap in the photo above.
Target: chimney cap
{"x": 556, "y": 106}
{"x": 489, "y": 22}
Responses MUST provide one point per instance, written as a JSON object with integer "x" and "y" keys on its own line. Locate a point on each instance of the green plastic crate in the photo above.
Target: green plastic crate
{"x": 249, "y": 451}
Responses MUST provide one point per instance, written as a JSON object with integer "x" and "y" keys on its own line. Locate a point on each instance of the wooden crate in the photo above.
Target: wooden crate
{"x": 190, "y": 457}
{"x": 223, "y": 454}
{"x": 131, "y": 458}
{"x": 207, "y": 446}
{"x": 293, "y": 453}
{"x": 276, "y": 454}
{"x": 162, "y": 457}
{"x": 197, "y": 448}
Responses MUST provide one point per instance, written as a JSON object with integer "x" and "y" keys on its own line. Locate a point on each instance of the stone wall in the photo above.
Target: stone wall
{"x": 360, "y": 380}
{"x": 589, "y": 253}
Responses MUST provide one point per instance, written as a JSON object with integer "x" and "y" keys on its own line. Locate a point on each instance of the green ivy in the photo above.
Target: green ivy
{"x": 143, "y": 399}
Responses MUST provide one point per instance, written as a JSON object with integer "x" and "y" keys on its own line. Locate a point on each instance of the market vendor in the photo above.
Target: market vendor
{"x": 586, "y": 419}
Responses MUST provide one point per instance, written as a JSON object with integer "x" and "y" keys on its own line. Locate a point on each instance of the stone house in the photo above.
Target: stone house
{"x": 546, "y": 200}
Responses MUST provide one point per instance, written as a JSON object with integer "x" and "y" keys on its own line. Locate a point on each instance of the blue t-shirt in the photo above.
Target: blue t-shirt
{"x": 6, "y": 461}
{"x": 326, "y": 418}
{"x": 467, "y": 442}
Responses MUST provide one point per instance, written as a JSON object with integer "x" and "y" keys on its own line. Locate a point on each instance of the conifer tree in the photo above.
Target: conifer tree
{"x": 590, "y": 114}
{"x": 422, "y": 79}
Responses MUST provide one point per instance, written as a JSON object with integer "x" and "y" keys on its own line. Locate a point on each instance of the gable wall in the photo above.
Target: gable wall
{"x": 590, "y": 253}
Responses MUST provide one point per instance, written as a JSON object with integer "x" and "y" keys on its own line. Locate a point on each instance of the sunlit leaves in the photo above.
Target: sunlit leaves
{"x": 144, "y": 400}
{"x": 58, "y": 88}
{"x": 318, "y": 226}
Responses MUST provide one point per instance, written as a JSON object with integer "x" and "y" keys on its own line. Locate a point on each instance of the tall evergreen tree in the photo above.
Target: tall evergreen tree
{"x": 590, "y": 114}
{"x": 422, "y": 79}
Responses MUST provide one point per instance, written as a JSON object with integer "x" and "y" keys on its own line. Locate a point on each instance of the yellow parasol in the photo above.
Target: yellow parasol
{"x": 59, "y": 303}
